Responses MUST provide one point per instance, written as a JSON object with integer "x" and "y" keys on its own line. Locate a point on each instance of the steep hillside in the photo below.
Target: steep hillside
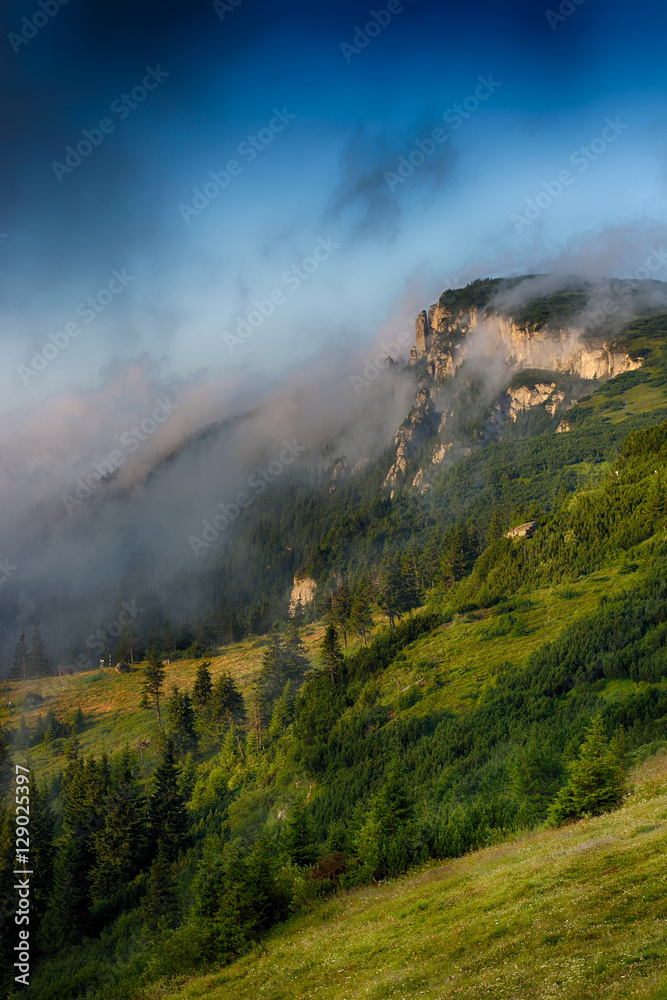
{"x": 577, "y": 914}
{"x": 444, "y": 690}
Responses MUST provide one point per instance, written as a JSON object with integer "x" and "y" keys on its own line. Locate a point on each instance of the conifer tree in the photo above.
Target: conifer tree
{"x": 181, "y": 722}
{"x": 341, "y": 606}
{"x": 597, "y": 777}
{"x": 38, "y": 665}
{"x": 361, "y": 619}
{"x": 227, "y": 701}
{"x": 119, "y": 848}
{"x": 203, "y": 687}
{"x": 127, "y": 643}
{"x": 299, "y": 841}
{"x": 394, "y": 593}
{"x": 297, "y": 614}
{"x": 188, "y": 778}
{"x": 535, "y": 773}
{"x": 154, "y": 674}
{"x": 85, "y": 784}
{"x": 159, "y": 906}
{"x": 20, "y": 664}
{"x": 66, "y": 920}
{"x": 168, "y": 816}
{"x": 331, "y": 652}
{"x": 283, "y": 713}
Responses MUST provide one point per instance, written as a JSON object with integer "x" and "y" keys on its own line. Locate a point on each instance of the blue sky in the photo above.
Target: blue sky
{"x": 322, "y": 177}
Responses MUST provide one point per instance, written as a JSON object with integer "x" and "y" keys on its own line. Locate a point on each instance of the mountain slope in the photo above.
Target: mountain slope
{"x": 577, "y": 913}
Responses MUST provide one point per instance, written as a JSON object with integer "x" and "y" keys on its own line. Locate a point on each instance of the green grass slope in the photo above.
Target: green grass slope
{"x": 574, "y": 913}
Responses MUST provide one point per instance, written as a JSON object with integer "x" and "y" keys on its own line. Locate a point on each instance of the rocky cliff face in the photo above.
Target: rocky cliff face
{"x": 303, "y": 590}
{"x": 450, "y": 340}
{"x": 527, "y": 396}
{"x": 419, "y": 426}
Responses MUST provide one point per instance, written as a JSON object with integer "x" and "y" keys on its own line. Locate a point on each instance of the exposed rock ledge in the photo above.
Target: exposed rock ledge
{"x": 303, "y": 590}
{"x": 527, "y": 396}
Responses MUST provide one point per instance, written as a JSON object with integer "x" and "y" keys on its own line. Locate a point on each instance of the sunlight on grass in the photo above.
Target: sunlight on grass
{"x": 572, "y": 914}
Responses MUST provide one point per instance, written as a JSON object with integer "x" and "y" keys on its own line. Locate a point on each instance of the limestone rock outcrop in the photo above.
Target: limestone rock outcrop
{"x": 446, "y": 341}
{"x": 420, "y": 425}
{"x": 304, "y": 590}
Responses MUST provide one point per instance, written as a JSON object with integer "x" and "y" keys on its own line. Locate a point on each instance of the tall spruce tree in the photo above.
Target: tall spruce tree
{"x": 331, "y": 652}
{"x": 361, "y": 618}
{"x": 119, "y": 848}
{"x": 66, "y": 920}
{"x": 181, "y": 722}
{"x": 341, "y": 606}
{"x": 168, "y": 816}
{"x": 38, "y": 664}
{"x": 597, "y": 777}
{"x": 154, "y": 674}
{"x": 299, "y": 840}
{"x": 203, "y": 687}
{"x": 159, "y": 907}
{"x": 227, "y": 703}
{"x": 20, "y": 663}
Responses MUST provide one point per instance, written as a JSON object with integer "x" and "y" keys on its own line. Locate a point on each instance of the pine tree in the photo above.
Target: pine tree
{"x": 341, "y": 606}
{"x": 120, "y": 846}
{"x": 272, "y": 675}
{"x": 168, "y": 816}
{"x": 495, "y": 527}
{"x": 597, "y": 777}
{"x": 20, "y": 664}
{"x": 361, "y": 619}
{"x": 283, "y": 713}
{"x": 85, "y": 784}
{"x": 331, "y": 652}
{"x": 181, "y": 722}
{"x": 255, "y": 728}
{"x": 227, "y": 701}
{"x": 126, "y": 644}
{"x": 66, "y": 920}
{"x": 299, "y": 842}
{"x": 385, "y": 839}
{"x": 201, "y": 692}
{"x": 297, "y": 614}
{"x": 38, "y": 665}
{"x": 396, "y": 593}
{"x": 159, "y": 907}
{"x": 188, "y": 778}
{"x": 535, "y": 773}
{"x": 154, "y": 674}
